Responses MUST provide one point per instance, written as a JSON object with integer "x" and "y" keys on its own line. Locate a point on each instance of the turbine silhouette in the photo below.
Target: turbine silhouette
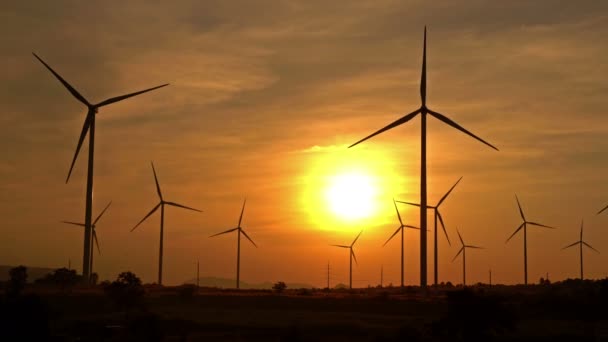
{"x": 463, "y": 250}
{"x": 524, "y": 225}
{"x": 161, "y": 204}
{"x": 580, "y": 242}
{"x": 351, "y": 257}
{"x": 94, "y": 233}
{"x": 423, "y": 111}
{"x": 240, "y": 231}
{"x": 401, "y": 228}
{"x": 599, "y": 212}
{"x": 437, "y": 215}
{"x": 89, "y": 127}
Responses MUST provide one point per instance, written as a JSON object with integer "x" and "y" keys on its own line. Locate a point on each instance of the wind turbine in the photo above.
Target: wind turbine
{"x": 161, "y": 204}
{"x": 599, "y": 212}
{"x": 423, "y": 111}
{"x": 581, "y": 243}
{"x": 89, "y": 127}
{"x": 94, "y": 233}
{"x": 240, "y": 231}
{"x": 524, "y": 225}
{"x": 400, "y": 228}
{"x": 437, "y": 215}
{"x": 463, "y": 250}
{"x": 351, "y": 257}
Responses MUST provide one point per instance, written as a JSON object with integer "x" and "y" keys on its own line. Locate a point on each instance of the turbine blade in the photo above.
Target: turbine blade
{"x": 460, "y": 237}
{"x": 581, "y": 230}
{"x": 242, "y": 211}
{"x": 392, "y": 236}
{"x": 96, "y": 242}
{"x": 182, "y": 206}
{"x": 588, "y": 245}
{"x": 443, "y": 226}
{"x": 75, "y": 223}
{"x": 540, "y": 225}
{"x": 145, "y": 217}
{"x": 476, "y": 247}
{"x": 518, "y": 229}
{"x": 393, "y": 125}
{"x": 160, "y": 195}
{"x": 571, "y": 245}
{"x": 248, "y": 238}
{"x": 410, "y": 203}
{"x": 449, "y": 121}
{"x": 123, "y": 97}
{"x": 354, "y": 256}
{"x": 101, "y": 214}
{"x": 460, "y": 251}
{"x": 397, "y": 210}
{"x": 357, "y": 238}
{"x": 412, "y": 227}
{"x": 341, "y": 246}
{"x": 83, "y": 134}
{"x": 225, "y": 232}
{"x": 71, "y": 89}
{"x": 448, "y": 193}
{"x": 521, "y": 212}
{"x": 599, "y": 212}
{"x": 423, "y": 75}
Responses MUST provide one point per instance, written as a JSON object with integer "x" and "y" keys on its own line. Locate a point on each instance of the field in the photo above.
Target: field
{"x": 569, "y": 311}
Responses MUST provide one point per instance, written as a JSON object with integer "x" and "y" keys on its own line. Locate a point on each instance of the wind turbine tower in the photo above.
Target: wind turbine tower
{"x": 423, "y": 111}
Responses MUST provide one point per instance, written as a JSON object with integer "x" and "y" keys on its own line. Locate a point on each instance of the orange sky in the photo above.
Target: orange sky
{"x": 264, "y": 98}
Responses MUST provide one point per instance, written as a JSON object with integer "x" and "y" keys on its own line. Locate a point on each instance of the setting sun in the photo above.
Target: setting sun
{"x": 346, "y": 190}
{"x": 351, "y": 196}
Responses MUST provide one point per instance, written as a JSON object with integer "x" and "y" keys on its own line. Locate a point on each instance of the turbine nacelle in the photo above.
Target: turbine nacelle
{"x": 162, "y": 202}
{"x": 464, "y": 246}
{"x": 93, "y": 108}
{"x": 93, "y": 226}
{"x": 581, "y": 242}
{"x": 436, "y": 208}
{"x": 238, "y": 228}
{"x": 525, "y": 222}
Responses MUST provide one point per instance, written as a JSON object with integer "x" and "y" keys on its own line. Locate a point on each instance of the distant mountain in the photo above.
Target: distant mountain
{"x": 229, "y": 283}
{"x": 33, "y": 273}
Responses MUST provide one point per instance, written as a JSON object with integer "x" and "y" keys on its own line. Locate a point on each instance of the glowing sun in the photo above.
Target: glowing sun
{"x": 351, "y": 196}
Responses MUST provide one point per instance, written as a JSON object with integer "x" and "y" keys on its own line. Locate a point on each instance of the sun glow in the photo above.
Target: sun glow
{"x": 346, "y": 189}
{"x": 351, "y": 196}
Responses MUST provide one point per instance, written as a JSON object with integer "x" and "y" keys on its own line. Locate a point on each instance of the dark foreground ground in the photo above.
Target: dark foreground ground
{"x": 570, "y": 311}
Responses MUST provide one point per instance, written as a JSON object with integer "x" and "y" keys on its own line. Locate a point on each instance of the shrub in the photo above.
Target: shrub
{"x": 304, "y": 292}
{"x": 126, "y": 291}
{"x": 17, "y": 281}
{"x": 64, "y": 278}
{"x": 279, "y": 287}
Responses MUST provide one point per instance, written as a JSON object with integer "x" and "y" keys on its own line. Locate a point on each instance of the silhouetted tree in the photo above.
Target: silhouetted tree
{"x": 17, "y": 281}
{"x": 279, "y": 287}
{"x": 64, "y": 278}
{"x": 126, "y": 291}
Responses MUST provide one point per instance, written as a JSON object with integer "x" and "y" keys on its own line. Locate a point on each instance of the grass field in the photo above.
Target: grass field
{"x": 566, "y": 312}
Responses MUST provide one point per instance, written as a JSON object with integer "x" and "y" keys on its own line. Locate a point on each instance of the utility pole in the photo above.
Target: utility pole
{"x": 490, "y": 277}
{"x": 382, "y": 276}
{"x": 198, "y": 284}
{"x": 69, "y": 264}
{"x": 328, "y": 275}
